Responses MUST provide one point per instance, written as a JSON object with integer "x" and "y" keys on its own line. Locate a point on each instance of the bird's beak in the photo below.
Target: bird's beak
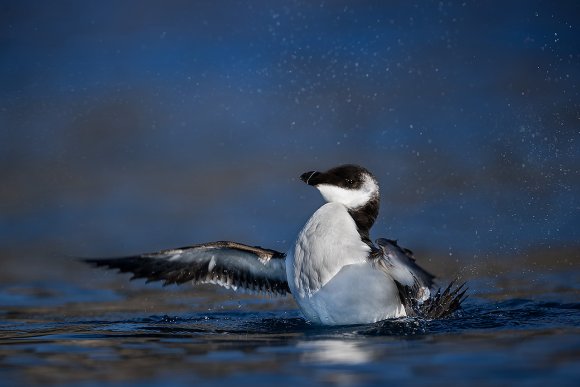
{"x": 310, "y": 178}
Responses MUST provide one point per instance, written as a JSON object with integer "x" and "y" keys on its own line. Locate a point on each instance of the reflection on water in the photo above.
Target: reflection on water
{"x": 335, "y": 352}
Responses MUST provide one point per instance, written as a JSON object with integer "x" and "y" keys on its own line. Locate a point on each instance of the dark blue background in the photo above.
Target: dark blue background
{"x": 133, "y": 126}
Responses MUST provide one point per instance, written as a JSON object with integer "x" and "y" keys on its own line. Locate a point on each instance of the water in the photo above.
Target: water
{"x": 107, "y": 331}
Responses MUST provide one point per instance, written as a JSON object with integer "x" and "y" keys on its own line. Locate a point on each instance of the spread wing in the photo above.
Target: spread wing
{"x": 415, "y": 283}
{"x": 228, "y": 264}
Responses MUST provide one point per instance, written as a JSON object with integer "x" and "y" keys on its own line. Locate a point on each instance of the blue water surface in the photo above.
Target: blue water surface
{"x": 97, "y": 338}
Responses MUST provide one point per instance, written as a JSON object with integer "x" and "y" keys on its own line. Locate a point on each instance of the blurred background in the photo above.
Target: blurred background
{"x": 128, "y": 127}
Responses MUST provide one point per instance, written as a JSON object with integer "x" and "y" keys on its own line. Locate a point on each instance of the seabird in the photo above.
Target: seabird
{"x": 335, "y": 273}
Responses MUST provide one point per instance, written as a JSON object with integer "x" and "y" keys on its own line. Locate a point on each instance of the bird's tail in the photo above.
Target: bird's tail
{"x": 441, "y": 304}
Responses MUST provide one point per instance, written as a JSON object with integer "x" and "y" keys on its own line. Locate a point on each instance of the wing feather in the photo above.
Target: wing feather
{"x": 401, "y": 266}
{"x": 415, "y": 284}
{"x": 228, "y": 264}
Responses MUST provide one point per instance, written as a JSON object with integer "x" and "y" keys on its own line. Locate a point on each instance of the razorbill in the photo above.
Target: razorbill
{"x": 333, "y": 270}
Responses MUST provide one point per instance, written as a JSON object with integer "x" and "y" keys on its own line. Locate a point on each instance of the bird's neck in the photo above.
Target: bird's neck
{"x": 365, "y": 217}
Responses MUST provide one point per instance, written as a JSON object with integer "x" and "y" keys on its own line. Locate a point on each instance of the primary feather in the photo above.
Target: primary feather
{"x": 228, "y": 264}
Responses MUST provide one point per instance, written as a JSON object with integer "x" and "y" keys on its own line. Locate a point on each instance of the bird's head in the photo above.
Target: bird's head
{"x": 351, "y": 185}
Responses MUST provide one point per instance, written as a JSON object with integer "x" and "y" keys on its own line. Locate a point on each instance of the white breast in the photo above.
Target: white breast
{"x": 330, "y": 277}
{"x": 328, "y": 241}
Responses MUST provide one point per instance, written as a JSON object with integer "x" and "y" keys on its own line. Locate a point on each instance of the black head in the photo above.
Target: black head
{"x": 348, "y": 184}
{"x": 346, "y": 176}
